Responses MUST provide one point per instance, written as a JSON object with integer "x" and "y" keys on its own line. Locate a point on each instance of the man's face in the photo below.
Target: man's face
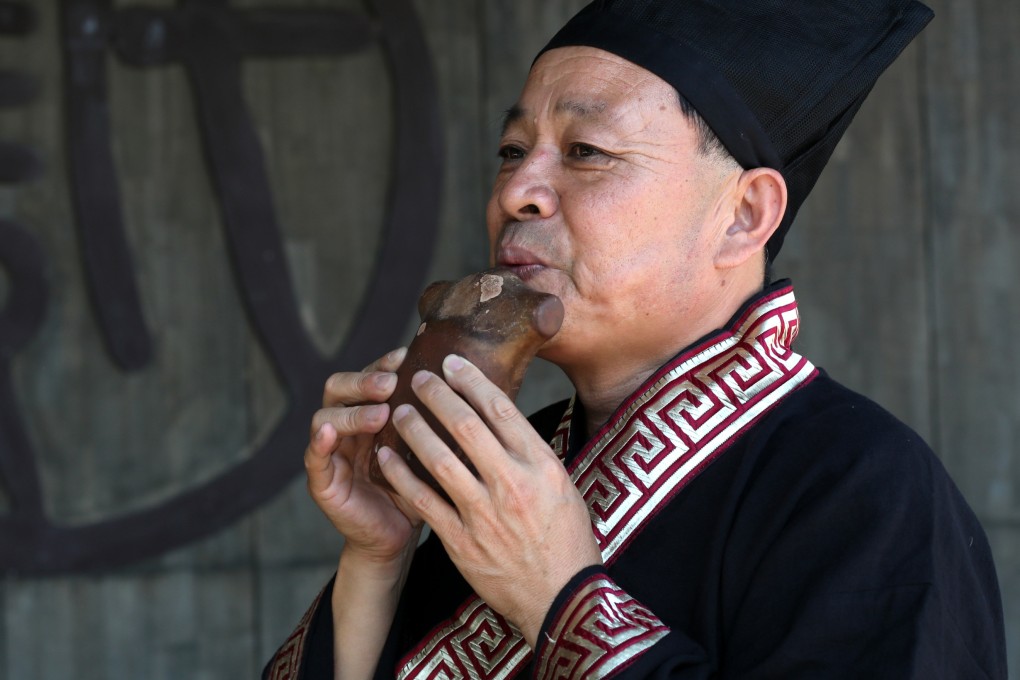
{"x": 603, "y": 199}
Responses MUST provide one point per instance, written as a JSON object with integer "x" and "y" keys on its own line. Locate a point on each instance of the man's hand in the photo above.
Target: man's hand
{"x": 377, "y": 527}
{"x": 521, "y": 530}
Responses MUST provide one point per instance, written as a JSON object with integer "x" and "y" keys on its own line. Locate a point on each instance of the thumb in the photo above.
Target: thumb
{"x": 319, "y": 464}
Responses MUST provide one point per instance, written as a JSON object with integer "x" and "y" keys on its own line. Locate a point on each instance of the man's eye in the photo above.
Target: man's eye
{"x": 584, "y": 151}
{"x": 511, "y": 153}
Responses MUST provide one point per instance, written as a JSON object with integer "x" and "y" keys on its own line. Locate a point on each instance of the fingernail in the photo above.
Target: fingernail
{"x": 385, "y": 381}
{"x": 401, "y": 412}
{"x": 318, "y": 435}
{"x": 397, "y": 354}
{"x": 375, "y": 412}
{"x": 419, "y": 378}
{"x": 384, "y": 454}
{"x": 454, "y": 363}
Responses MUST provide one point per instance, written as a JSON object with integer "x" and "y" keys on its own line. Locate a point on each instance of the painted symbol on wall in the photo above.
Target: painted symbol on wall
{"x": 210, "y": 40}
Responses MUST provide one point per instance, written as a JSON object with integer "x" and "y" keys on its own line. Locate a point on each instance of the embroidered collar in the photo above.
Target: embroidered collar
{"x": 686, "y": 414}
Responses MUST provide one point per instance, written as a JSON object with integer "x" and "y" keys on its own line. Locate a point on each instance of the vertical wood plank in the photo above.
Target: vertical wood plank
{"x": 284, "y": 594}
{"x": 972, "y": 70}
{"x": 291, "y": 530}
{"x": 974, "y": 144}
{"x": 171, "y": 625}
{"x": 28, "y": 614}
{"x": 5, "y": 653}
{"x": 856, "y": 254}
{"x": 326, "y": 130}
{"x": 5, "y": 288}
{"x": 1006, "y": 549}
{"x": 452, "y": 31}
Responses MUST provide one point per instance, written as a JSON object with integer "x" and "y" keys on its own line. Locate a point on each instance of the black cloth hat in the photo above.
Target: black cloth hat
{"x": 778, "y": 81}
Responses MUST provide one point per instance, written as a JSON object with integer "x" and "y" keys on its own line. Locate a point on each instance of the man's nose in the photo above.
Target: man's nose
{"x": 530, "y": 191}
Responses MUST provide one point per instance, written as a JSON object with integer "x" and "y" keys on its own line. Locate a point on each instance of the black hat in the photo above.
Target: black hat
{"x": 778, "y": 81}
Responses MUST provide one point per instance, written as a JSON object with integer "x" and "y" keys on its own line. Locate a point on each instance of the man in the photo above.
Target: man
{"x": 709, "y": 504}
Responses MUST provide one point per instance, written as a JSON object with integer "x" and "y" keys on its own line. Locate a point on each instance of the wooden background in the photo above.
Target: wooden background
{"x": 905, "y": 259}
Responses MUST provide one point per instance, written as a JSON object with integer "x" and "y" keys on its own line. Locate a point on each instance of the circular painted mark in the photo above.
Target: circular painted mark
{"x": 31, "y": 543}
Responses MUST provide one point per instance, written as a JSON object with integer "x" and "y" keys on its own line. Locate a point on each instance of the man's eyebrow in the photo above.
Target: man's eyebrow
{"x": 573, "y": 107}
{"x": 581, "y": 109}
{"x": 511, "y": 116}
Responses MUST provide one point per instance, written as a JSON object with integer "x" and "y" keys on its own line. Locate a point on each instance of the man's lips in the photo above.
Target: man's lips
{"x": 514, "y": 256}
{"x": 525, "y": 272}
{"x": 522, "y": 262}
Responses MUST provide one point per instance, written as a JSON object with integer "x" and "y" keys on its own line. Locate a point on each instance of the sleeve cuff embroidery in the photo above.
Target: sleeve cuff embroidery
{"x": 286, "y": 663}
{"x": 598, "y": 631}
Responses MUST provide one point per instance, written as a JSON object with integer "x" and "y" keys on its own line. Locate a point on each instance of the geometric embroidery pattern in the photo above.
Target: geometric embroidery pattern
{"x": 479, "y": 643}
{"x": 561, "y": 437}
{"x": 656, "y": 443}
{"x": 286, "y": 663}
{"x": 694, "y": 408}
{"x": 599, "y": 631}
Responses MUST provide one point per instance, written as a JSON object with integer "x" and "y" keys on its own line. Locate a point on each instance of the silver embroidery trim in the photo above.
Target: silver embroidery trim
{"x": 600, "y": 630}
{"x": 477, "y": 644}
{"x": 690, "y": 414}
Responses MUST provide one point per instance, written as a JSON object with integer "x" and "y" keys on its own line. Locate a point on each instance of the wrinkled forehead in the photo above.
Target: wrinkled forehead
{"x": 589, "y": 84}
{"x": 590, "y": 71}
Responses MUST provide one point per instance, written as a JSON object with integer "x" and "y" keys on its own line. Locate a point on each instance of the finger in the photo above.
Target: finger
{"x": 350, "y": 389}
{"x": 433, "y": 453}
{"x": 506, "y": 421}
{"x": 390, "y": 362}
{"x": 319, "y": 464}
{"x": 468, "y": 429}
{"x": 352, "y": 420}
{"x": 419, "y": 495}
{"x": 374, "y": 384}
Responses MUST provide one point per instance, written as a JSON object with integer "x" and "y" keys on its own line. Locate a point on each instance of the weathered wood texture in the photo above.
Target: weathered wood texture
{"x": 904, "y": 257}
{"x": 972, "y": 82}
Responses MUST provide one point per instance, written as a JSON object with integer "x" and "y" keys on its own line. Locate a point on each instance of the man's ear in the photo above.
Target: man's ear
{"x": 759, "y": 203}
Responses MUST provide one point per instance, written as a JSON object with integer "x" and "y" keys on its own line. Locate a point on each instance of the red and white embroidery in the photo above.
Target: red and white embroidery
{"x": 477, "y": 643}
{"x": 561, "y": 437}
{"x": 694, "y": 409}
{"x": 286, "y": 662}
{"x": 686, "y": 415}
{"x": 599, "y": 631}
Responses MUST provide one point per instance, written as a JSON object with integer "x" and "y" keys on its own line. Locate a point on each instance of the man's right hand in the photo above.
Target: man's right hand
{"x": 377, "y": 526}
{"x": 379, "y": 529}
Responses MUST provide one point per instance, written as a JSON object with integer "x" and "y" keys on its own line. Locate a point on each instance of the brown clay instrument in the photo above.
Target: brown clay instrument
{"x": 493, "y": 320}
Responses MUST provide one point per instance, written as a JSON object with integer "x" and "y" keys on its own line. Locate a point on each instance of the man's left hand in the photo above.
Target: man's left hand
{"x": 517, "y": 532}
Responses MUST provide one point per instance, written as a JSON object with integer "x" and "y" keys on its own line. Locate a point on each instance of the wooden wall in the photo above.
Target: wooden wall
{"x": 905, "y": 258}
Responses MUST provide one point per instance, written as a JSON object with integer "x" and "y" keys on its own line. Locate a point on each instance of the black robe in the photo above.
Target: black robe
{"x": 825, "y": 541}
